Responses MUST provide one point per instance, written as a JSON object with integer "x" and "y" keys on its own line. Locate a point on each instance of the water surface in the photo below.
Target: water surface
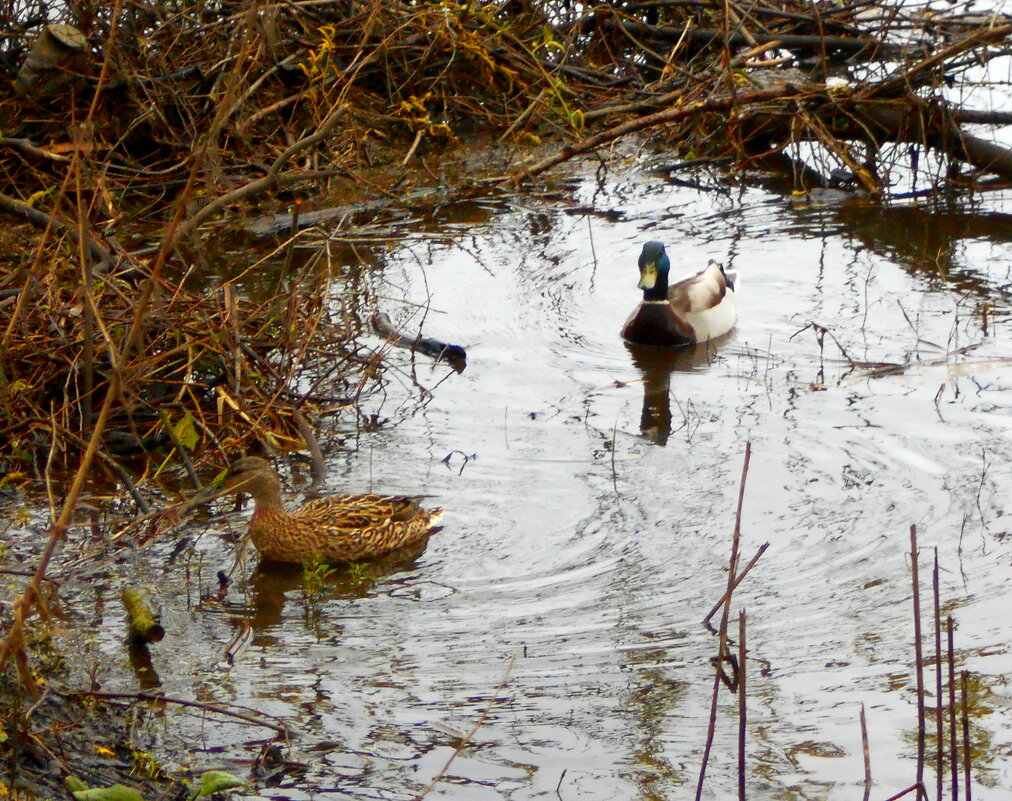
{"x": 590, "y": 495}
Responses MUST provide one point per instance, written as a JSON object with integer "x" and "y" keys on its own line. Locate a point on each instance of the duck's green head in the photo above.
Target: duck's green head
{"x": 654, "y": 266}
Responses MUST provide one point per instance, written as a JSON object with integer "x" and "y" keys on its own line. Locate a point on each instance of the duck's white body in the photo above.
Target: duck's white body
{"x": 706, "y": 301}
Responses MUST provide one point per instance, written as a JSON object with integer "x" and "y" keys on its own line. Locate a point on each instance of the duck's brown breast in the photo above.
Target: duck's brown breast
{"x": 657, "y": 324}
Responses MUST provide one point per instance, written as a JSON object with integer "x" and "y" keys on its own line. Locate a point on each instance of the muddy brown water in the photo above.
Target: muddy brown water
{"x": 590, "y": 495}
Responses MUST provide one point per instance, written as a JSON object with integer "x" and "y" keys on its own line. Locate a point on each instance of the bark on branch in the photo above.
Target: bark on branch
{"x": 42, "y": 220}
{"x": 934, "y": 127}
{"x": 711, "y": 105}
{"x": 789, "y": 41}
{"x": 907, "y": 120}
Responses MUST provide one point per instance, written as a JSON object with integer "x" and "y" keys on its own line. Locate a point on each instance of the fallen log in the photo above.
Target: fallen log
{"x": 909, "y": 120}
{"x": 453, "y": 355}
{"x": 57, "y": 57}
{"x": 933, "y": 126}
{"x": 866, "y": 47}
{"x": 40, "y": 219}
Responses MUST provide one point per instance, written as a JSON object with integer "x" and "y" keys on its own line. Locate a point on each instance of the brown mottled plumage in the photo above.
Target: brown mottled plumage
{"x": 336, "y": 528}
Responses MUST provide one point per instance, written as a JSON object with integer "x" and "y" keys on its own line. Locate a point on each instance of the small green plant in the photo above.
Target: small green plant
{"x": 146, "y": 765}
{"x": 358, "y": 571}
{"x": 314, "y": 579}
{"x": 42, "y": 648}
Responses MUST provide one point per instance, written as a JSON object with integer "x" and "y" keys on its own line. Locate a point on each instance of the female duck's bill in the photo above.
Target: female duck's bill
{"x": 694, "y": 309}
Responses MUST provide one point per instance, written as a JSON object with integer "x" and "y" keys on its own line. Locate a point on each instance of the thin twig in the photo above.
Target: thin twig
{"x": 939, "y": 706}
{"x": 918, "y": 657}
{"x": 462, "y": 744}
{"x": 737, "y": 581}
{"x": 953, "y": 740}
{"x": 967, "y": 746}
{"x": 867, "y": 755}
{"x": 742, "y": 706}
{"x": 902, "y": 793}
{"x": 722, "y": 632}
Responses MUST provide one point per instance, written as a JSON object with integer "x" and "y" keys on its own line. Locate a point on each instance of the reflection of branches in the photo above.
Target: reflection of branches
{"x": 984, "y": 467}
{"x": 880, "y": 369}
{"x": 467, "y": 458}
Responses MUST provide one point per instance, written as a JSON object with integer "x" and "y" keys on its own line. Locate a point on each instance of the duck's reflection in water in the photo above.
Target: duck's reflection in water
{"x": 273, "y": 583}
{"x": 657, "y": 365}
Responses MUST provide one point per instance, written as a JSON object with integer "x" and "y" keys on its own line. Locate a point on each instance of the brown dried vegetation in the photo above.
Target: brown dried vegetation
{"x": 187, "y": 113}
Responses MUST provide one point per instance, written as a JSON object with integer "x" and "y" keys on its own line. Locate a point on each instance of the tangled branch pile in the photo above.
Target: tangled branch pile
{"x": 172, "y": 115}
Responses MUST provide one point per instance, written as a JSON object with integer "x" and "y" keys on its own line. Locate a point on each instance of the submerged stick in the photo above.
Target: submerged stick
{"x": 462, "y": 744}
{"x": 453, "y": 355}
{"x": 254, "y": 717}
{"x": 918, "y": 656}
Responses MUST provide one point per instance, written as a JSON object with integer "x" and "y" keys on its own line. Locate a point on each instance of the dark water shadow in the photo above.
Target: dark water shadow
{"x": 925, "y": 238}
{"x": 658, "y": 365}
{"x": 143, "y": 667}
{"x": 928, "y": 240}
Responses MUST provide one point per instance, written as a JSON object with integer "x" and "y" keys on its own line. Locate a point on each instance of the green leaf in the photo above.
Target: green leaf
{"x": 74, "y": 784}
{"x": 186, "y": 432}
{"x": 216, "y": 781}
{"x": 117, "y": 792}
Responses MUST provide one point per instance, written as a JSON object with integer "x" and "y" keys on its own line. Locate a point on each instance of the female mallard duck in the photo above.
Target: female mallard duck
{"x": 336, "y": 528}
{"x": 695, "y": 309}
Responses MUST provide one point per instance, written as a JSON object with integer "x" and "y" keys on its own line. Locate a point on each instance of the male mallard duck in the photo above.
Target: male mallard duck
{"x": 336, "y": 528}
{"x": 695, "y": 309}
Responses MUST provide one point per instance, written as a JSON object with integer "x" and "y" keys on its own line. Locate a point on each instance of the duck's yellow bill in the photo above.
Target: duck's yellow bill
{"x": 648, "y": 276}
